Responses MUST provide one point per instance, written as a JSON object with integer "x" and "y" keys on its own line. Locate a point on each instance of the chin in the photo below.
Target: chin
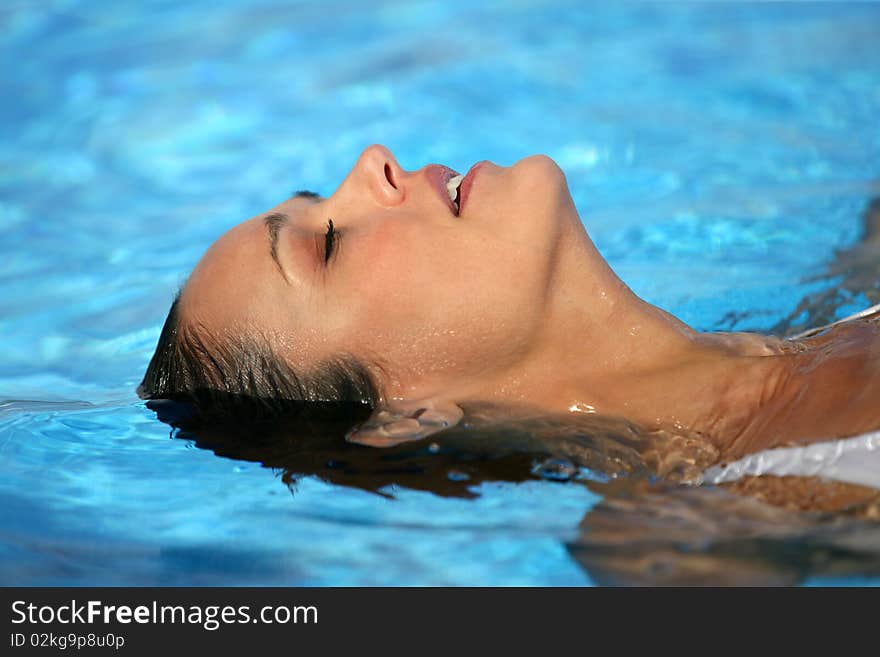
{"x": 540, "y": 183}
{"x": 541, "y": 165}
{"x": 541, "y": 176}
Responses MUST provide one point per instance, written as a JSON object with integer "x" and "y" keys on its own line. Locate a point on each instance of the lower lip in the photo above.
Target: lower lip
{"x": 467, "y": 183}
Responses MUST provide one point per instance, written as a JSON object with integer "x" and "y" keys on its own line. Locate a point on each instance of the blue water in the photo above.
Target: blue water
{"x": 719, "y": 155}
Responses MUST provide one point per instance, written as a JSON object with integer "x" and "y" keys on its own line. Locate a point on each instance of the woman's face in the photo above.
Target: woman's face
{"x": 424, "y": 297}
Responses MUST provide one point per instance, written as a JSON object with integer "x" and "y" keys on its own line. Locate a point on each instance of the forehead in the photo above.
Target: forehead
{"x": 237, "y": 285}
{"x": 237, "y": 291}
{"x": 233, "y": 280}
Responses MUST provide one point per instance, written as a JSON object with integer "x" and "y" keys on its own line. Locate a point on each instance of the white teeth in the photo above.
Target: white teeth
{"x": 452, "y": 186}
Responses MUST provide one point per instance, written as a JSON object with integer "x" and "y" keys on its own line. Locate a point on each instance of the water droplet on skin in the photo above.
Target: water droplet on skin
{"x": 580, "y": 407}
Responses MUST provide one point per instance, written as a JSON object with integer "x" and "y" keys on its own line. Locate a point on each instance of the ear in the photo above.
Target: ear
{"x": 405, "y": 421}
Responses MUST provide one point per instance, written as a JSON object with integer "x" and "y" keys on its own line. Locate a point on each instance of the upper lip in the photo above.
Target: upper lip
{"x": 438, "y": 175}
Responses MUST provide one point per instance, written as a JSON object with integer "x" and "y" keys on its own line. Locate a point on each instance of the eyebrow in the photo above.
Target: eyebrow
{"x": 276, "y": 221}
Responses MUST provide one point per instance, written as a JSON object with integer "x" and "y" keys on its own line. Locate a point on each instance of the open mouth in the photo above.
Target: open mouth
{"x": 453, "y": 188}
{"x": 462, "y": 186}
{"x": 451, "y": 185}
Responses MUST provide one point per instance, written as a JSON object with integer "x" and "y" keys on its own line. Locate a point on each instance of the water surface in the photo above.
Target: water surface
{"x": 719, "y": 155}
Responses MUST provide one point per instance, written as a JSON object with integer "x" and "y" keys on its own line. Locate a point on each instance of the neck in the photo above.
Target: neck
{"x": 604, "y": 350}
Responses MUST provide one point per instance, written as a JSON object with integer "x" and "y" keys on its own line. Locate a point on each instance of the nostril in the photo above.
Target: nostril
{"x": 388, "y": 175}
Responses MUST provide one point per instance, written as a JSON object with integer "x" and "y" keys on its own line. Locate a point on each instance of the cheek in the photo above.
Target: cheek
{"x": 441, "y": 307}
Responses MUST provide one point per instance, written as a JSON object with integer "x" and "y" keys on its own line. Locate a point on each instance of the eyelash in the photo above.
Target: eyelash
{"x": 330, "y": 238}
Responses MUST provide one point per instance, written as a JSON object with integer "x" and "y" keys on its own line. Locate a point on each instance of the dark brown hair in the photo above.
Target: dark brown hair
{"x": 223, "y": 377}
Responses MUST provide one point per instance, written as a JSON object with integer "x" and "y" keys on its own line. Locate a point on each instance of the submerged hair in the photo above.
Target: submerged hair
{"x": 221, "y": 377}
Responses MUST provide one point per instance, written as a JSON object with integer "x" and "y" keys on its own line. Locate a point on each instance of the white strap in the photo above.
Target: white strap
{"x": 852, "y": 460}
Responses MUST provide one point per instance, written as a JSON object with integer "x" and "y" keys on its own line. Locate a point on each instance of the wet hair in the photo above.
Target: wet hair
{"x": 241, "y": 377}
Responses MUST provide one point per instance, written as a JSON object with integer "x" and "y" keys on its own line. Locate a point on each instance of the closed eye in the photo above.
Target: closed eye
{"x": 331, "y": 237}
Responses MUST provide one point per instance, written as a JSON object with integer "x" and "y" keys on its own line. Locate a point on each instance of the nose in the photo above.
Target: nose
{"x": 380, "y": 173}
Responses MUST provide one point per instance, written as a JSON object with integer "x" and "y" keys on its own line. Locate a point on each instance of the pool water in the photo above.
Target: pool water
{"x": 719, "y": 155}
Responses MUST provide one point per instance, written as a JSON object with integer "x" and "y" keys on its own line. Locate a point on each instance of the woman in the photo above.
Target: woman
{"x": 418, "y": 292}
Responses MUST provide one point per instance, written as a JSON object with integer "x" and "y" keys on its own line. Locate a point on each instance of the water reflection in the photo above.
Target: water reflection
{"x": 487, "y": 446}
{"x": 674, "y": 535}
{"x": 651, "y": 528}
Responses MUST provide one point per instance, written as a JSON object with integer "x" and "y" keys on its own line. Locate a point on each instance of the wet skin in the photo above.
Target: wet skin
{"x": 510, "y": 302}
